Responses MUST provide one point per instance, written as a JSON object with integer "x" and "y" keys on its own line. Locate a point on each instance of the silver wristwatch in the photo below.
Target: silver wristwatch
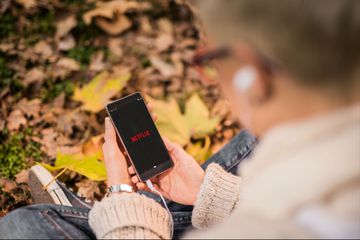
{"x": 120, "y": 188}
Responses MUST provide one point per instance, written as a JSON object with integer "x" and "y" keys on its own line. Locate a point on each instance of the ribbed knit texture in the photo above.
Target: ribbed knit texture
{"x": 129, "y": 215}
{"x": 217, "y": 198}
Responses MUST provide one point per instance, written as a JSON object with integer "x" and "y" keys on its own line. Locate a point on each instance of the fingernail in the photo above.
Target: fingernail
{"x": 107, "y": 123}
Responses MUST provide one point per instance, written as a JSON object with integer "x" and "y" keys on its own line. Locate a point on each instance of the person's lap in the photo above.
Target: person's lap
{"x": 54, "y": 221}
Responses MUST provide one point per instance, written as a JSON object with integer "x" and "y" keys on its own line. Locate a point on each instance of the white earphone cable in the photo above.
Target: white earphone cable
{"x": 152, "y": 188}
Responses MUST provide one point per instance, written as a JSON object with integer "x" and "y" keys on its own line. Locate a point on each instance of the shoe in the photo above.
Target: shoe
{"x": 55, "y": 192}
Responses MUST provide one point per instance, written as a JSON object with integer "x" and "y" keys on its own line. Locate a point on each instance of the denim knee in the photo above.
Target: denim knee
{"x": 17, "y": 224}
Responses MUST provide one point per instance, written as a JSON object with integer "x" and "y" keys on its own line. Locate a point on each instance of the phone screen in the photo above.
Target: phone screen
{"x": 139, "y": 135}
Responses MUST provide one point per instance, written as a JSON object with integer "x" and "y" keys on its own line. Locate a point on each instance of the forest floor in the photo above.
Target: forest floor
{"x": 61, "y": 61}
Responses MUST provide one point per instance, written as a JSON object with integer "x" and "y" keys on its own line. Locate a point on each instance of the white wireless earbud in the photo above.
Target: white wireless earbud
{"x": 244, "y": 78}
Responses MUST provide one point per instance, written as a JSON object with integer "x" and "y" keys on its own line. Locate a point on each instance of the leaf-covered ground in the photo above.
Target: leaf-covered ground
{"x": 60, "y": 61}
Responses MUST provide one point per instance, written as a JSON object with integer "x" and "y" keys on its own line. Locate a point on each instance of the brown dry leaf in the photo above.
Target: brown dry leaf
{"x": 221, "y": 108}
{"x": 7, "y": 185}
{"x": 145, "y": 25}
{"x": 43, "y": 48}
{"x": 68, "y": 64}
{"x": 15, "y": 120}
{"x": 88, "y": 188}
{"x": 29, "y": 108}
{"x": 164, "y": 41}
{"x": 108, "y": 9}
{"x": 64, "y": 67}
{"x": 66, "y": 43}
{"x": 94, "y": 145}
{"x": 48, "y": 142}
{"x": 165, "y": 69}
{"x": 34, "y": 75}
{"x": 27, "y": 3}
{"x": 115, "y": 48}
{"x": 114, "y": 27}
{"x": 59, "y": 101}
{"x": 165, "y": 25}
{"x": 68, "y": 120}
{"x": 2, "y": 123}
{"x": 65, "y": 25}
{"x": 5, "y": 47}
{"x": 97, "y": 62}
{"x": 23, "y": 176}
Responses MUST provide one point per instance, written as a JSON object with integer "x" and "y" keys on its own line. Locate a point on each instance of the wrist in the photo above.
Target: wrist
{"x": 197, "y": 188}
{"x": 119, "y": 181}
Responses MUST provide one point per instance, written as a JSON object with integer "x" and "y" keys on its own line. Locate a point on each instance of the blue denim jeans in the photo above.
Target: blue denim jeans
{"x": 62, "y": 222}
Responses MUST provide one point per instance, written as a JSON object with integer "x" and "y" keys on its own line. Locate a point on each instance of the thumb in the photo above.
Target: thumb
{"x": 110, "y": 134}
{"x": 175, "y": 150}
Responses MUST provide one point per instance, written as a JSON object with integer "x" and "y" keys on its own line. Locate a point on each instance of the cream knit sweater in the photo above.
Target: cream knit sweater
{"x": 303, "y": 181}
{"x": 131, "y": 215}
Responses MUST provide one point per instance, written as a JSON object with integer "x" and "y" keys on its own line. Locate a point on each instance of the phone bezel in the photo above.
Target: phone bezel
{"x": 158, "y": 169}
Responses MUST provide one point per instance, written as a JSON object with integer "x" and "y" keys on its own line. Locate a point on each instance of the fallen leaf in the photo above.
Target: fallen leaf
{"x": 15, "y": 120}
{"x": 5, "y": 47}
{"x": 67, "y": 121}
{"x": 89, "y": 166}
{"x": 108, "y": 9}
{"x": 120, "y": 24}
{"x": 43, "y": 48}
{"x": 68, "y": 64}
{"x": 7, "y": 185}
{"x": 178, "y": 127}
{"x": 165, "y": 69}
{"x": 48, "y": 143}
{"x": 88, "y": 188}
{"x": 99, "y": 90}
{"x": 198, "y": 151}
{"x": 29, "y": 108}
{"x": 198, "y": 117}
{"x": 2, "y": 124}
{"x": 115, "y": 47}
{"x": 34, "y": 75}
{"x": 65, "y": 25}
{"x": 27, "y": 3}
{"x": 64, "y": 67}
{"x": 97, "y": 62}
{"x": 66, "y": 43}
{"x": 165, "y": 25}
{"x": 164, "y": 41}
{"x": 221, "y": 108}
{"x": 23, "y": 176}
{"x": 94, "y": 146}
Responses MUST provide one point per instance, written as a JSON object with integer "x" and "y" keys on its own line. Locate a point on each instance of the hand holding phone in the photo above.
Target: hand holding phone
{"x": 182, "y": 183}
{"x": 139, "y": 136}
{"x": 114, "y": 159}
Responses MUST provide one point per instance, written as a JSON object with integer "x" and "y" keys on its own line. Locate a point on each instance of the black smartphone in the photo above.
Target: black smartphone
{"x": 139, "y": 136}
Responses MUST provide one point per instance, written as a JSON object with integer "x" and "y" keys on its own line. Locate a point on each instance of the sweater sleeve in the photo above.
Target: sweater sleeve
{"x": 129, "y": 216}
{"x": 218, "y": 196}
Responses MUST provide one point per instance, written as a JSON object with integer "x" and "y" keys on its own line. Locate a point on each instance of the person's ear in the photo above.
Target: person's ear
{"x": 249, "y": 80}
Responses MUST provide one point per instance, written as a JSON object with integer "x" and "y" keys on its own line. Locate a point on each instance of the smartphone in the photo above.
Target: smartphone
{"x": 139, "y": 136}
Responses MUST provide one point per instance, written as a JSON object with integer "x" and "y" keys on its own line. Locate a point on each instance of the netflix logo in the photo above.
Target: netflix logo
{"x": 140, "y": 136}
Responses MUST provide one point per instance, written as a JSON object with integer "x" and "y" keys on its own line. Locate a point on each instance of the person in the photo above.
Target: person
{"x": 291, "y": 74}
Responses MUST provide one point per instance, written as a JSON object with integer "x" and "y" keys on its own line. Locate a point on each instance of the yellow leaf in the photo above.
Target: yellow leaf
{"x": 170, "y": 120}
{"x": 180, "y": 127}
{"x": 198, "y": 118}
{"x": 84, "y": 160}
{"x": 99, "y": 90}
{"x": 88, "y": 166}
{"x": 199, "y": 152}
{"x": 93, "y": 146}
